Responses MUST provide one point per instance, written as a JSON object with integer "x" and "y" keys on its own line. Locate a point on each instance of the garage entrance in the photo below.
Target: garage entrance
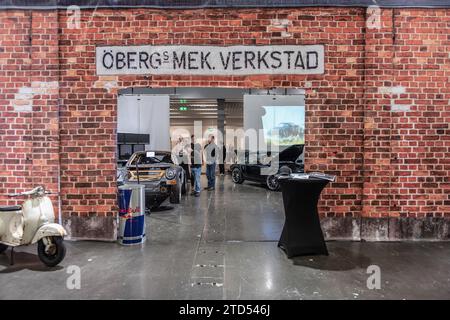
{"x": 251, "y": 127}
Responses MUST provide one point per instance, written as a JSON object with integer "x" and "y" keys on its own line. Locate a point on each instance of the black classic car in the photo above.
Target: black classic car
{"x": 161, "y": 177}
{"x": 261, "y": 167}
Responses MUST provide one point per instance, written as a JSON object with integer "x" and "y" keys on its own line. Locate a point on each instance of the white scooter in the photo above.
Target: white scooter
{"x": 30, "y": 223}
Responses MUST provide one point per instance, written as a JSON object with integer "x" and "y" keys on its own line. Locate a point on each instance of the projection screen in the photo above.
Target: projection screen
{"x": 278, "y": 119}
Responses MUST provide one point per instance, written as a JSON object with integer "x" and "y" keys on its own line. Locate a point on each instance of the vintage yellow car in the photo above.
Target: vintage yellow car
{"x": 162, "y": 178}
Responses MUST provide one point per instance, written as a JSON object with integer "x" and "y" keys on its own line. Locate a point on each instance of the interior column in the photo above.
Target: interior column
{"x": 221, "y": 121}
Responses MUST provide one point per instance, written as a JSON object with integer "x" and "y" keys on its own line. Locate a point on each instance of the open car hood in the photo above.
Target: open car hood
{"x": 291, "y": 153}
{"x": 154, "y": 166}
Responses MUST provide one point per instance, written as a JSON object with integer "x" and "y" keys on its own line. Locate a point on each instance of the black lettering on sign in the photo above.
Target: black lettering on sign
{"x": 204, "y": 60}
{"x": 120, "y": 60}
{"x": 192, "y": 60}
{"x": 236, "y": 59}
{"x": 289, "y": 54}
{"x": 166, "y": 56}
{"x": 179, "y": 63}
{"x": 262, "y": 59}
{"x": 296, "y": 59}
{"x": 155, "y": 60}
{"x": 299, "y": 61}
{"x": 225, "y": 64}
{"x": 308, "y": 59}
{"x": 249, "y": 56}
{"x": 143, "y": 57}
{"x": 111, "y": 60}
{"x": 275, "y": 55}
{"x": 131, "y": 59}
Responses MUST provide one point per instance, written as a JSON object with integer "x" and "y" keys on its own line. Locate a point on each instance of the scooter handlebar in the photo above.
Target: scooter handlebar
{"x": 14, "y": 194}
{"x": 37, "y": 190}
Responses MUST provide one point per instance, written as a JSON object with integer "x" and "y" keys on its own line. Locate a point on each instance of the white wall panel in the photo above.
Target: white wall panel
{"x": 146, "y": 114}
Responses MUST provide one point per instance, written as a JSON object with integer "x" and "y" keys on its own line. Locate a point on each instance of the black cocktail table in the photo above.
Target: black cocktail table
{"x": 302, "y": 234}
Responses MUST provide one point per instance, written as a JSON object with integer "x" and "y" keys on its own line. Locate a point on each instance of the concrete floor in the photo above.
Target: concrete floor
{"x": 223, "y": 245}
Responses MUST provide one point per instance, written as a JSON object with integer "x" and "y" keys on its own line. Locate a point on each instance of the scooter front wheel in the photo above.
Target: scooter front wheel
{"x": 3, "y": 247}
{"x": 51, "y": 251}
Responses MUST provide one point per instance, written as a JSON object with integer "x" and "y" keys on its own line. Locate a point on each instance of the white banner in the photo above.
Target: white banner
{"x": 209, "y": 60}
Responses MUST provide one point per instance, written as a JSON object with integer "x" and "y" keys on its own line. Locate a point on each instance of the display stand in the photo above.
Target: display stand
{"x": 302, "y": 234}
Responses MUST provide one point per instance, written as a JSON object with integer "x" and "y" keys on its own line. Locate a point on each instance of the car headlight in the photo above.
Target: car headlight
{"x": 171, "y": 173}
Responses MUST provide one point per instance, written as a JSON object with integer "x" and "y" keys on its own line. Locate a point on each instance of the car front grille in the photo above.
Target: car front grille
{"x": 147, "y": 175}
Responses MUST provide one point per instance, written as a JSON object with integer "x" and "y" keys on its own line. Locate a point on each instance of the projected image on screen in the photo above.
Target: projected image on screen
{"x": 284, "y": 125}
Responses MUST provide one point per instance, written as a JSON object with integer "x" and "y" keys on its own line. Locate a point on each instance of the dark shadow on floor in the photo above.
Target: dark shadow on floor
{"x": 23, "y": 260}
{"x": 339, "y": 259}
{"x": 161, "y": 209}
{"x": 259, "y": 185}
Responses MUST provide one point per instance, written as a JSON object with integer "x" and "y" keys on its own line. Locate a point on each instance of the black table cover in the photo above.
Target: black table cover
{"x": 302, "y": 234}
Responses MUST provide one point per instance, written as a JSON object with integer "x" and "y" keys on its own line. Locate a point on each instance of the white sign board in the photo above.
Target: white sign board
{"x": 209, "y": 60}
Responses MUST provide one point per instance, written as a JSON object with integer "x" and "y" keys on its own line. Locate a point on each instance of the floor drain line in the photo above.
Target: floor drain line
{"x": 209, "y": 265}
{"x": 211, "y": 284}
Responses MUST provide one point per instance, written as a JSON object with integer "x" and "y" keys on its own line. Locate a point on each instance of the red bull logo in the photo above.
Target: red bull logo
{"x": 125, "y": 210}
{"x": 128, "y": 213}
{"x": 132, "y": 220}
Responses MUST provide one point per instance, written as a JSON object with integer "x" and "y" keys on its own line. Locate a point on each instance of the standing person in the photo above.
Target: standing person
{"x": 222, "y": 163}
{"x": 210, "y": 150}
{"x": 177, "y": 152}
{"x": 183, "y": 157}
{"x": 191, "y": 151}
{"x": 196, "y": 167}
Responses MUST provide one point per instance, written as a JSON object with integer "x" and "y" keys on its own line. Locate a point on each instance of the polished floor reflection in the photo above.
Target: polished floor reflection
{"x": 223, "y": 245}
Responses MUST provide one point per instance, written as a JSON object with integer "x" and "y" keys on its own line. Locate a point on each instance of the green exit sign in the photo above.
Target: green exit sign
{"x": 183, "y": 108}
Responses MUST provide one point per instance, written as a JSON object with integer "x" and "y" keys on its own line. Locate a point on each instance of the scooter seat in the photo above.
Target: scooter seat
{"x": 10, "y": 208}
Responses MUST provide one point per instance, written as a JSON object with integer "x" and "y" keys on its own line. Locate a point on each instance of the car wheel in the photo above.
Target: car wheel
{"x": 3, "y": 247}
{"x": 152, "y": 204}
{"x": 183, "y": 184}
{"x": 175, "y": 195}
{"x": 236, "y": 176}
{"x": 148, "y": 204}
{"x": 272, "y": 183}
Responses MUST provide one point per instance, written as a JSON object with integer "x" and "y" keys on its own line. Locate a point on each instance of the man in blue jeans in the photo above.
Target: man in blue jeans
{"x": 210, "y": 150}
{"x": 196, "y": 166}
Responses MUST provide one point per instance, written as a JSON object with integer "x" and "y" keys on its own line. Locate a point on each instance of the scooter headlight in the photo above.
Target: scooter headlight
{"x": 171, "y": 173}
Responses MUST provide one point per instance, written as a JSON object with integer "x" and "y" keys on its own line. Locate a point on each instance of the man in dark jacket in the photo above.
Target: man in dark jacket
{"x": 210, "y": 150}
{"x": 196, "y": 167}
{"x": 192, "y": 149}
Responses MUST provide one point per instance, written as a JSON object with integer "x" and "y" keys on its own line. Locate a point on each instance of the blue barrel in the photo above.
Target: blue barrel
{"x": 131, "y": 214}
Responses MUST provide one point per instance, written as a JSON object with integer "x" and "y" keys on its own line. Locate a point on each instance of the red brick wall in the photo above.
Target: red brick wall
{"x": 407, "y": 136}
{"x": 15, "y": 124}
{"x": 29, "y": 129}
{"x": 390, "y": 159}
{"x": 421, "y": 137}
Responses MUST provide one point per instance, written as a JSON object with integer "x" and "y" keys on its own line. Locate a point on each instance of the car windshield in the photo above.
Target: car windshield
{"x": 157, "y": 158}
